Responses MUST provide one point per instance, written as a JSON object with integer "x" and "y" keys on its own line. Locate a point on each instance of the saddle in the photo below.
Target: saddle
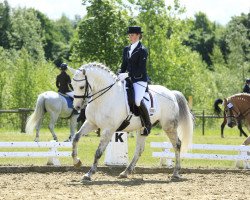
{"x": 132, "y": 106}
{"x": 68, "y": 99}
{"x": 148, "y": 98}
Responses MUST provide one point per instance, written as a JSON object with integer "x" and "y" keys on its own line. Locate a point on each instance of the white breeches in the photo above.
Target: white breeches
{"x": 140, "y": 88}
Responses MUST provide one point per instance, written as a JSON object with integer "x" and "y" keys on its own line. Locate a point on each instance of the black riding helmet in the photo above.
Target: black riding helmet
{"x": 248, "y": 80}
{"x": 63, "y": 66}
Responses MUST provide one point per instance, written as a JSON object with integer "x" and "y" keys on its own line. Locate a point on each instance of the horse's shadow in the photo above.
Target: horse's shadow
{"x": 125, "y": 182}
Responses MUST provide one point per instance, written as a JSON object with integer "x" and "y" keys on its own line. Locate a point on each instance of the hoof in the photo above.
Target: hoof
{"x": 86, "y": 177}
{"x": 175, "y": 177}
{"x": 78, "y": 164}
{"x": 68, "y": 140}
{"x": 123, "y": 175}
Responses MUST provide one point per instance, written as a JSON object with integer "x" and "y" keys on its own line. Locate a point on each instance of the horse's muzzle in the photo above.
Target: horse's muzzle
{"x": 78, "y": 108}
{"x": 231, "y": 124}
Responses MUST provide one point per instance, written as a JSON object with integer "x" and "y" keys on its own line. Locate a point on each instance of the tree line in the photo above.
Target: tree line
{"x": 196, "y": 56}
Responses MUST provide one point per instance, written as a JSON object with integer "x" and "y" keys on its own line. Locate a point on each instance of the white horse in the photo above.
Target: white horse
{"x": 107, "y": 109}
{"x": 56, "y": 106}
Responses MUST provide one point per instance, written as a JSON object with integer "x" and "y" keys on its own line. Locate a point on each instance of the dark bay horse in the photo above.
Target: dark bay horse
{"x": 236, "y": 110}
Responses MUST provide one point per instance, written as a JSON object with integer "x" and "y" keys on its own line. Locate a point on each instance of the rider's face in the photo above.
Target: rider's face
{"x": 134, "y": 37}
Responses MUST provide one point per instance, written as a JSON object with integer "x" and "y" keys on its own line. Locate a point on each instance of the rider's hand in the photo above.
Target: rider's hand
{"x": 122, "y": 76}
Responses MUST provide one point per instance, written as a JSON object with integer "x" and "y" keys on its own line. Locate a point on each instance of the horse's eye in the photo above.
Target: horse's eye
{"x": 81, "y": 87}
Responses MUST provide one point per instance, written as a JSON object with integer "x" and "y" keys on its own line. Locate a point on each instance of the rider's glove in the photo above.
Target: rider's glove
{"x": 122, "y": 76}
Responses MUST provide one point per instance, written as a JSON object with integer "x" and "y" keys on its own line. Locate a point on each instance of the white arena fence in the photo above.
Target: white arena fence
{"x": 52, "y": 154}
{"x": 166, "y": 155}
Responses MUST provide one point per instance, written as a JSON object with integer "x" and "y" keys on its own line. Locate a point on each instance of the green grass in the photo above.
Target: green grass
{"x": 88, "y": 145}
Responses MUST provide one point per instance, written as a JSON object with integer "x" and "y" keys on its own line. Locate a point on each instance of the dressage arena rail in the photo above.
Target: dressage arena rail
{"x": 24, "y": 112}
{"x": 166, "y": 155}
{"x": 53, "y": 154}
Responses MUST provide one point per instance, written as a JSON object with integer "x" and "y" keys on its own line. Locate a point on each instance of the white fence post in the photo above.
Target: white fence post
{"x": 53, "y": 160}
{"x": 117, "y": 150}
{"x": 53, "y": 154}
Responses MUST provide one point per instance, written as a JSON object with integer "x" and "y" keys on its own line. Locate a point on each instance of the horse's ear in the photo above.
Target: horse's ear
{"x": 73, "y": 71}
{"x": 83, "y": 71}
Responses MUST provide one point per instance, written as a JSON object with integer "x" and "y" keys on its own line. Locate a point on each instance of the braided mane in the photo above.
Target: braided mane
{"x": 99, "y": 66}
{"x": 241, "y": 97}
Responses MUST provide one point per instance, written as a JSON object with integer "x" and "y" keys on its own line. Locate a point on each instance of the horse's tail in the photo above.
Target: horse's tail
{"x": 37, "y": 115}
{"x": 217, "y": 109}
{"x": 186, "y": 122}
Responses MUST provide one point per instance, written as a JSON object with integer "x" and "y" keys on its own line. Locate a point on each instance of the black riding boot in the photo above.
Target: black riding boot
{"x": 145, "y": 118}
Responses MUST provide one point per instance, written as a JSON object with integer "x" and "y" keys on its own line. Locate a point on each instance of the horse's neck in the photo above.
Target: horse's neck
{"x": 242, "y": 102}
{"x": 99, "y": 79}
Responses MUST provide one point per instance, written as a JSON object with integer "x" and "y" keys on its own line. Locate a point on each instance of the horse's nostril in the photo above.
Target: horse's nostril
{"x": 77, "y": 108}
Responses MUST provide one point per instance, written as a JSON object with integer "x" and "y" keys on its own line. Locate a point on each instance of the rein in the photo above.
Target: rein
{"x": 86, "y": 92}
{"x": 238, "y": 115}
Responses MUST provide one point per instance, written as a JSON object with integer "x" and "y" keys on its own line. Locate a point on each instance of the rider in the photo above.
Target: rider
{"x": 63, "y": 83}
{"x": 134, "y": 62}
{"x": 246, "y": 88}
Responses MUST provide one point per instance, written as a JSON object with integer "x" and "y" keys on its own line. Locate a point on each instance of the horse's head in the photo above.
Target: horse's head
{"x": 80, "y": 86}
{"x": 230, "y": 112}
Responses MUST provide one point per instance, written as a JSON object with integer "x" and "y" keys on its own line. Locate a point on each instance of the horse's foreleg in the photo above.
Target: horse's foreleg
{"x": 86, "y": 128}
{"x": 222, "y": 128}
{"x": 242, "y": 132}
{"x": 177, "y": 147}
{"x": 73, "y": 125}
{"x": 105, "y": 138}
{"x": 247, "y": 141}
{"x": 140, "y": 144}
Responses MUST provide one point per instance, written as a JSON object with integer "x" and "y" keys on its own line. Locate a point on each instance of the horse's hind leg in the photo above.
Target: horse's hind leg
{"x": 173, "y": 136}
{"x": 105, "y": 138}
{"x": 140, "y": 144}
{"x": 53, "y": 119}
{"x": 38, "y": 127}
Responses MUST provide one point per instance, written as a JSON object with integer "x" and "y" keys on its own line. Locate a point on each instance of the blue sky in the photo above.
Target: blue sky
{"x": 220, "y": 11}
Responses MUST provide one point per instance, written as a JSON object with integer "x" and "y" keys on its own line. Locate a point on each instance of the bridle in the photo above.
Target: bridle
{"x": 88, "y": 87}
{"x": 238, "y": 115}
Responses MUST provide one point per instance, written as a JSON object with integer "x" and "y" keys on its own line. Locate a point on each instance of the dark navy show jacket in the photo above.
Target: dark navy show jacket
{"x": 136, "y": 64}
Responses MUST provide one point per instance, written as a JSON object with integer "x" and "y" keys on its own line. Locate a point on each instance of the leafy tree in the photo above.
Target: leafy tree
{"x": 51, "y": 37}
{"x": 100, "y": 33}
{"x": 66, "y": 28}
{"x": 4, "y": 24}
{"x": 237, "y": 37}
{"x": 26, "y": 32}
{"x": 201, "y": 37}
